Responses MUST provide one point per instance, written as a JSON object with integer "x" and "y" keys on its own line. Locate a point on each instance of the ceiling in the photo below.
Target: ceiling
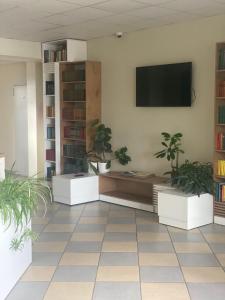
{"x": 42, "y": 20}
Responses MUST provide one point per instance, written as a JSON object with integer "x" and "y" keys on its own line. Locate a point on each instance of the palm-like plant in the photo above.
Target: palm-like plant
{"x": 171, "y": 151}
{"x": 19, "y": 200}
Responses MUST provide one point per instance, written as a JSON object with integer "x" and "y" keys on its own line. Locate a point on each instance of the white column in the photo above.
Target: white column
{"x": 2, "y": 168}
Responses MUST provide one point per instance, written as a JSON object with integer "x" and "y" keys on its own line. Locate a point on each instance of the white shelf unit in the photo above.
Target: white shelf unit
{"x": 53, "y": 53}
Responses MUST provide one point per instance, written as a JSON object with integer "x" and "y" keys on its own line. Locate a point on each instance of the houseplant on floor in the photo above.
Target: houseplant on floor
{"x": 102, "y": 151}
{"x": 19, "y": 198}
{"x": 190, "y": 205}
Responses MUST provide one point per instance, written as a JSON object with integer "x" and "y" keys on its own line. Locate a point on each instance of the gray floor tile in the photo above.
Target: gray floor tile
{"x": 213, "y": 228}
{"x": 158, "y": 247}
{"x": 116, "y": 291}
{"x": 95, "y": 213}
{"x": 143, "y": 213}
{"x": 90, "y": 228}
{"x": 38, "y": 227}
{"x": 45, "y": 259}
{"x": 151, "y": 228}
{"x": 118, "y": 259}
{"x": 217, "y": 247}
{"x": 120, "y": 236}
{"x": 161, "y": 274}
{"x": 197, "y": 260}
{"x": 114, "y": 220}
{"x": 182, "y": 237}
{"x": 115, "y": 207}
{"x": 28, "y": 291}
{"x": 84, "y": 247}
{"x": 77, "y": 273}
{"x": 54, "y": 236}
{"x": 64, "y": 220}
{"x": 209, "y": 291}
{"x": 78, "y": 208}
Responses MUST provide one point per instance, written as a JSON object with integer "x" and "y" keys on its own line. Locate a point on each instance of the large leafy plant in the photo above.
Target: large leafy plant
{"x": 102, "y": 149}
{"x": 19, "y": 199}
{"x": 194, "y": 177}
{"x": 171, "y": 150}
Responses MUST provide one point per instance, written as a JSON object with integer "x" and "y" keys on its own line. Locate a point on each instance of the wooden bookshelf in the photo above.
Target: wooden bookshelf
{"x": 219, "y": 149}
{"x": 80, "y": 104}
{"x": 53, "y": 53}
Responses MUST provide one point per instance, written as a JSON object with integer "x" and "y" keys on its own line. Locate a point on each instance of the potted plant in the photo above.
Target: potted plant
{"x": 102, "y": 152}
{"x": 190, "y": 205}
{"x": 171, "y": 150}
{"x": 19, "y": 198}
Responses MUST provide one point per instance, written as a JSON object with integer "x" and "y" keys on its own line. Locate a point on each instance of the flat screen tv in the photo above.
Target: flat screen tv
{"x": 164, "y": 85}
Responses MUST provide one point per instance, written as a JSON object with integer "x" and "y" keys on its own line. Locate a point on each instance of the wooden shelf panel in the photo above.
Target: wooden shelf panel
{"x": 219, "y": 209}
{"x": 130, "y": 197}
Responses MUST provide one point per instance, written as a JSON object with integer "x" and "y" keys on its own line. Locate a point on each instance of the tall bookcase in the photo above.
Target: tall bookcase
{"x": 53, "y": 53}
{"x": 80, "y": 104}
{"x": 219, "y": 153}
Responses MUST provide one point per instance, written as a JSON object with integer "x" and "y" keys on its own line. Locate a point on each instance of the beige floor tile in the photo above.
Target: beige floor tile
{"x": 153, "y": 237}
{"x": 204, "y": 274}
{"x": 119, "y": 247}
{"x": 49, "y": 246}
{"x": 59, "y": 228}
{"x": 192, "y": 248}
{"x": 118, "y": 273}
{"x": 158, "y": 259}
{"x": 87, "y": 236}
{"x": 93, "y": 220}
{"x": 215, "y": 237}
{"x": 121, "y": 228}
{"x": 145, "y": 220}
{"x": 65, "y": 290}
{"x": 121, "y": 214}
{"x": 175, "y": 229}
{"x": 35, "y": 273}
{"x": 79, "y": 259}
{"x": 164, "y": 291}
{"x": 39, "y": 220}
{"x": 68, "y": 213}
{"x": 221, "y": 258}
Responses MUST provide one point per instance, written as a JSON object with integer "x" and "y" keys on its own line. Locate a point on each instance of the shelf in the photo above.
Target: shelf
{"x": 220, "y": 124}
{"x": 220, "y": 98}
{"x": 50, "y": 117}
{"x": 74, "y": 120}
{"x": 80, "y": 101}
{"x": 220, "y": 151}
{"x": 76, "y": 81}
{"x": 220, "y": 70}
{"x": 50, "y": 140}
{"x": 220, "y": 176}
{"x": 130, "y": 197}
{"x": 50, "y": 161}
{"x": 75, "y": 139}
{"x": 49, "y": 95}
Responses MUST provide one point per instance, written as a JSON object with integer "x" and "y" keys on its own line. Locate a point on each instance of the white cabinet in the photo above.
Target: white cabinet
{"x": 72, "y": 190}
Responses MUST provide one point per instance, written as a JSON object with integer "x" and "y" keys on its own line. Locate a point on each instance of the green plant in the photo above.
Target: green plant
{"x": 19, "y": 199}
{"x": 102, "y": 148}
{"x": 194, "y": 177}
{"x": 171, "y": 151}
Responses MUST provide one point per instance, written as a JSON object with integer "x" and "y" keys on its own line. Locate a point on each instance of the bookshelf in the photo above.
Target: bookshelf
{"x": 219, "y": 148}
{"x": 53, "y": 53}
{"x": 80, "y": 104}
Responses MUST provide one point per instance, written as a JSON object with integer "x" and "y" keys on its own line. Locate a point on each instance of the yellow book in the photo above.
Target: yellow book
{"x": 218, "y": 168}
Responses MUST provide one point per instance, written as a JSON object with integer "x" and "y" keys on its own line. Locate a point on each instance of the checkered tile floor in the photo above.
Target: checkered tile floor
{"x": 101, "y": 251}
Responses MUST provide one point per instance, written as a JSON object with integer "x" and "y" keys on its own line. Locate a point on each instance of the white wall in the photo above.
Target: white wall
{"x": 10, "y": 75}
{"x": 15, "y": 49}
{"x": 140, "y": 128}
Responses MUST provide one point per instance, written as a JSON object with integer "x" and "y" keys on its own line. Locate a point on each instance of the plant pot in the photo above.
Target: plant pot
{"x": 13, "y": 263}
{"x": 185, "y": 211}
{"x": 91, "y": 166}
{"x": 102, "y": 167}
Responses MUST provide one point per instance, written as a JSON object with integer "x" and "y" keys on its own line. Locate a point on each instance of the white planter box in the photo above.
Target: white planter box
{"x": 12, "y": 263}
{"x": 185, "y": 211}
{"x": 72, "y": 190}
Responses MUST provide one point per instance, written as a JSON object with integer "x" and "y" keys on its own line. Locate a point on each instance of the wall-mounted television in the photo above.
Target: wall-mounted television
{"x": 164, "y": 85}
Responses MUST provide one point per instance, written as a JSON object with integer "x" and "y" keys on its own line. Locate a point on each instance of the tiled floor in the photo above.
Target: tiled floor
{"x": 101, "y": 251}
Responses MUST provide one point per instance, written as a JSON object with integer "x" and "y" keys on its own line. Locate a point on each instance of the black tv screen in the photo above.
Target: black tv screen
{"x": 164, "y": 85}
